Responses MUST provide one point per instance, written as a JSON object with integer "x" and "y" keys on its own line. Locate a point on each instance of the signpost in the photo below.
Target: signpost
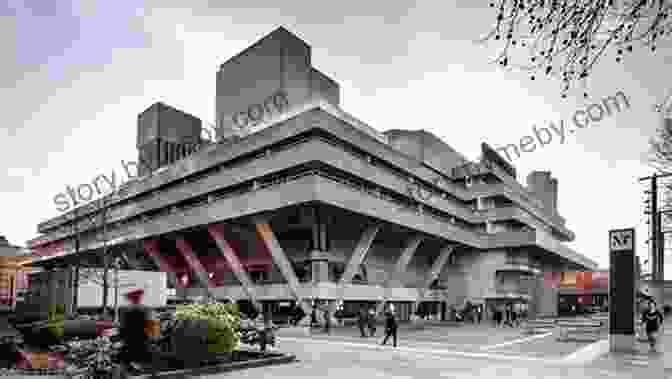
{"x": 622, "y": 290}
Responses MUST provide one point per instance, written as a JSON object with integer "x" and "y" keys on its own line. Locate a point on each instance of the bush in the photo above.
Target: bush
{"x": 56, "y": 319}
{"x": 223, "y": 324}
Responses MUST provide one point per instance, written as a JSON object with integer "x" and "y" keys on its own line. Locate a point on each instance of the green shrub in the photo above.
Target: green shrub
{"x": 56, "y": 319}
{"x": 223, "y": 324}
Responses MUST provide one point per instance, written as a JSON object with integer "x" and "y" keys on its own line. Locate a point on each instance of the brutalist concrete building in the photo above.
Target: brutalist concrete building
{"x": 301, "y": 203}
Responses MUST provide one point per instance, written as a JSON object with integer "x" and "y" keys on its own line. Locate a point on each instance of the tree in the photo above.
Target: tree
{"x": 566, "y": 38}
{"x": 660, "y": 154}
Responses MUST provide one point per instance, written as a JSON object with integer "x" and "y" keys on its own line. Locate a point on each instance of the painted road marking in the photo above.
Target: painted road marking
{"x": 377, "y": 339}
{"x": 520, "y": 340}
{"x": 588, "y": 353}
{"x": 463, "y": 354}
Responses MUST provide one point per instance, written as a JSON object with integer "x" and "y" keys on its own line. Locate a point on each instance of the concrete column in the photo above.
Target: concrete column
{"x": 280, "y": 259}
{"x": 217, "y": 233}
{"x": 194, "y": 264}
{"x": 438, "y": 264}
{"x": 359, "y": 254}
{"x": 319, "y": 266}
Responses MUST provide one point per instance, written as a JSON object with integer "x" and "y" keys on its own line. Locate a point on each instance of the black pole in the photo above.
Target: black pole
{"x": 655, "y": 229}
{"x": 661, "y": 248}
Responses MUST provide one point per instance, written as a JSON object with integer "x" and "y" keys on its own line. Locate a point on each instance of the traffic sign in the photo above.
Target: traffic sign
{"x": 621, "y": 240}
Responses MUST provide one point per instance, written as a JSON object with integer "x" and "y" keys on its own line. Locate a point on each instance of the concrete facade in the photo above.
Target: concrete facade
{"x": 301, "y": 201}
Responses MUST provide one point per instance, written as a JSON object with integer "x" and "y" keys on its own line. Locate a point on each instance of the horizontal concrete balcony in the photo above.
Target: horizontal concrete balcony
{"x": 310, "y": 150}
{"x": 316, "y": 291}
{"x": 305, "y": 188}
{"x": 508, "y": 295}
{"x": 343, "y": 195}
{"x": 292, "y": 192}
{"x": 513, "y": 266}
{"x": 510, "y": 213}
{"x": 547, "y": 242}
{"x": 317, "y": 118}
{"x": 511, "y": 239}
{"x": 218, "y": 154}
{"x": 521, "y": 212}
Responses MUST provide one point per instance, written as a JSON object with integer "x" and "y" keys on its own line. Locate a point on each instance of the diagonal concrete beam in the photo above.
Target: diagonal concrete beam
{"x": 438, "y": 265}
{"x": 151, "y": 247}
{"x": 194, "y": 264}
{"x": 280, "y": 259}
{"x": 406, "y": 255}
{"x": 132, "y": 261}
{"x": 216, "y": 231}
{"x": 362, "y": 248}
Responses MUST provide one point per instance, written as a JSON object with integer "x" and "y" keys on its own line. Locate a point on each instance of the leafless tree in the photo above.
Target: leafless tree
{"x": 564, "y": 39}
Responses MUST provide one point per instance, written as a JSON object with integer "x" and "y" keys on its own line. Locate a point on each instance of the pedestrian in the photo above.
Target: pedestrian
{"x": 136, "y": 347}
{"x": 479, "y": 313}
{"x": 372, "y": 322}
{"x": 327, "y": 320}
{"x": 313, "y": 317}
{"x": 390, "y": 328}
{"x": 652, "y": 319}
{"x": 507, "y": 315}
{"x": 361, "y": 321}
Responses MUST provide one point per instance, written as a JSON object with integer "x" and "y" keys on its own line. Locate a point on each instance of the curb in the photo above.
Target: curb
{"x": 220, "y": 368}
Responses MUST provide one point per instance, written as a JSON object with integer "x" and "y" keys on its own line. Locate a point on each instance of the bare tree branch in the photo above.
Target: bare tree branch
{"x": 565, "y": 39}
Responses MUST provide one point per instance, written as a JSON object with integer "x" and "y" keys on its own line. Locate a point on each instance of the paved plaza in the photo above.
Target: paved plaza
{"x": 469, "y": 351}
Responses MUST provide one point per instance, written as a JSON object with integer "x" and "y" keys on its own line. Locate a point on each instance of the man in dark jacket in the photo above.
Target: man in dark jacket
{"x": 132, "y": 330}
{"x": 371, "y": 321}
{"x": 327, "y": 320}
{"x": 361, "y": 321}
{"x": 390, "y": 328}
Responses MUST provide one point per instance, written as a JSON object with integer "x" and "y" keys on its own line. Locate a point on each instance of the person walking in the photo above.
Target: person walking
{"x": 371, "y": 321}
{"x": 514, "y": 317}
{"x": 390, "y": 328}
{"x": 652, "y": 319}
{"x": 361, "y": 321}
{"x": 508, "y": 315}
{"x": 313, "y": 317}
{"x": 327, "y": 320}
{"x": 136, "y": 347}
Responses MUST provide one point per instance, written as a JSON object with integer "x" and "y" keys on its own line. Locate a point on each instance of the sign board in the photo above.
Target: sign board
{"x": 621, "y": 240}
{"x": 622, "y": 279}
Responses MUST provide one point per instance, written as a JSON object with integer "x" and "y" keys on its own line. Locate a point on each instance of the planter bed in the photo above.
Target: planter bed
{"x": 242, "y": 359}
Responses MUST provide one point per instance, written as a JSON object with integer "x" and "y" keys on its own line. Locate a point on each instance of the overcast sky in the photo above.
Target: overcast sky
{"x": 75, "y": 75}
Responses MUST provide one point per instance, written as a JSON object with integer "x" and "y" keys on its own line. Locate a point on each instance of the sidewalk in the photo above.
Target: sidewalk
{"x": 640, "y": 359}
{"x": 666, "y": 345}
